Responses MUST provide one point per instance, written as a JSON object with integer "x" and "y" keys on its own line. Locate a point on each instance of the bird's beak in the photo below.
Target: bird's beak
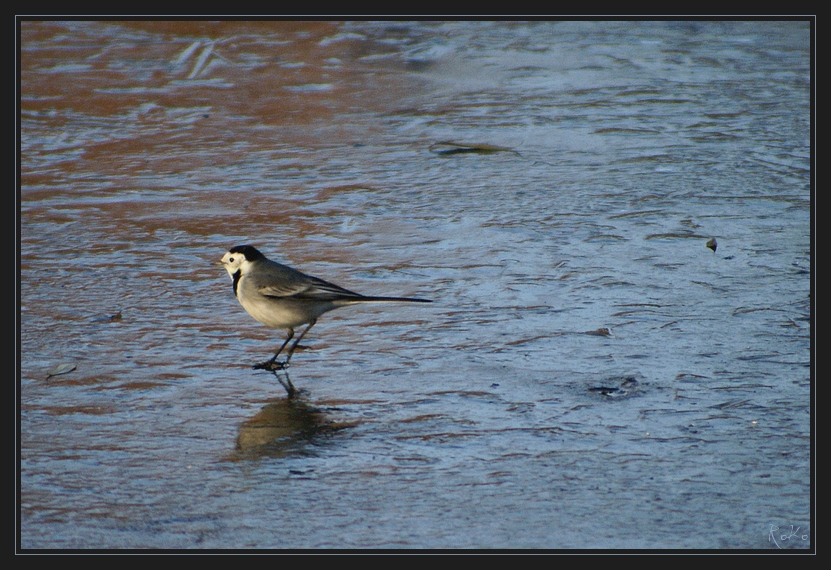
{"x": 218, "y": 263}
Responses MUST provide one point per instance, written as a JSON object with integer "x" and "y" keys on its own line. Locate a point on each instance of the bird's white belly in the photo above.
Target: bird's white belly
{"x": 281, "y": 314}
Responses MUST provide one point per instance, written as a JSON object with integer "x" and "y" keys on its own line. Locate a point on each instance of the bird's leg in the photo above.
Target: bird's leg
{"x": 294, "y": 346}
{"x": 270, "y": 364}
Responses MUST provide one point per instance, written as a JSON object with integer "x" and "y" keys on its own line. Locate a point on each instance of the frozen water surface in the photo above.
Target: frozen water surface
{"x": 590, "y": 374}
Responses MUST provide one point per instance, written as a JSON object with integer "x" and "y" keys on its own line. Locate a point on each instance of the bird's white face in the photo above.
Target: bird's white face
{"x": 232, "y": 262}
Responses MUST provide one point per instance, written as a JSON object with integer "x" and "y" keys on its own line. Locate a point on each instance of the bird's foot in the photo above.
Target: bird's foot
{"x": 271, "y": 365}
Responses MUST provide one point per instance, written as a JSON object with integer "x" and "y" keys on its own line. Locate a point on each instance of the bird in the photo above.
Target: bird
{"x": 281, "y": 297}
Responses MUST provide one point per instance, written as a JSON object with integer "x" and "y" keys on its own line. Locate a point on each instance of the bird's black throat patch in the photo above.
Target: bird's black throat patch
{"x": 237, "y": 274}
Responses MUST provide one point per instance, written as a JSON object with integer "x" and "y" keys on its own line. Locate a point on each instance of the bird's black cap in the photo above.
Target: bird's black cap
{"x": 250, "y": 252}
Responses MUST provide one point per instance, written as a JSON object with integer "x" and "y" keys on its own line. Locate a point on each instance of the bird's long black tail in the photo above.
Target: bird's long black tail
{"x": 367, "y": 299}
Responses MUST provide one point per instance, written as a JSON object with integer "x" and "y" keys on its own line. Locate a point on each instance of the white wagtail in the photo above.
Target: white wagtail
{"x": 283, "y": 298}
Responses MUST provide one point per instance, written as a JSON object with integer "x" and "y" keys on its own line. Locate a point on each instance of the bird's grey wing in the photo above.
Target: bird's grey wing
{"x": 279, "y": 281}
{"x": 318, "y": 289}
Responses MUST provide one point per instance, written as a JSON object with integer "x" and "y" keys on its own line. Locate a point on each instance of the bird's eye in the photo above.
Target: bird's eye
{"x": 231, "y": 260}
